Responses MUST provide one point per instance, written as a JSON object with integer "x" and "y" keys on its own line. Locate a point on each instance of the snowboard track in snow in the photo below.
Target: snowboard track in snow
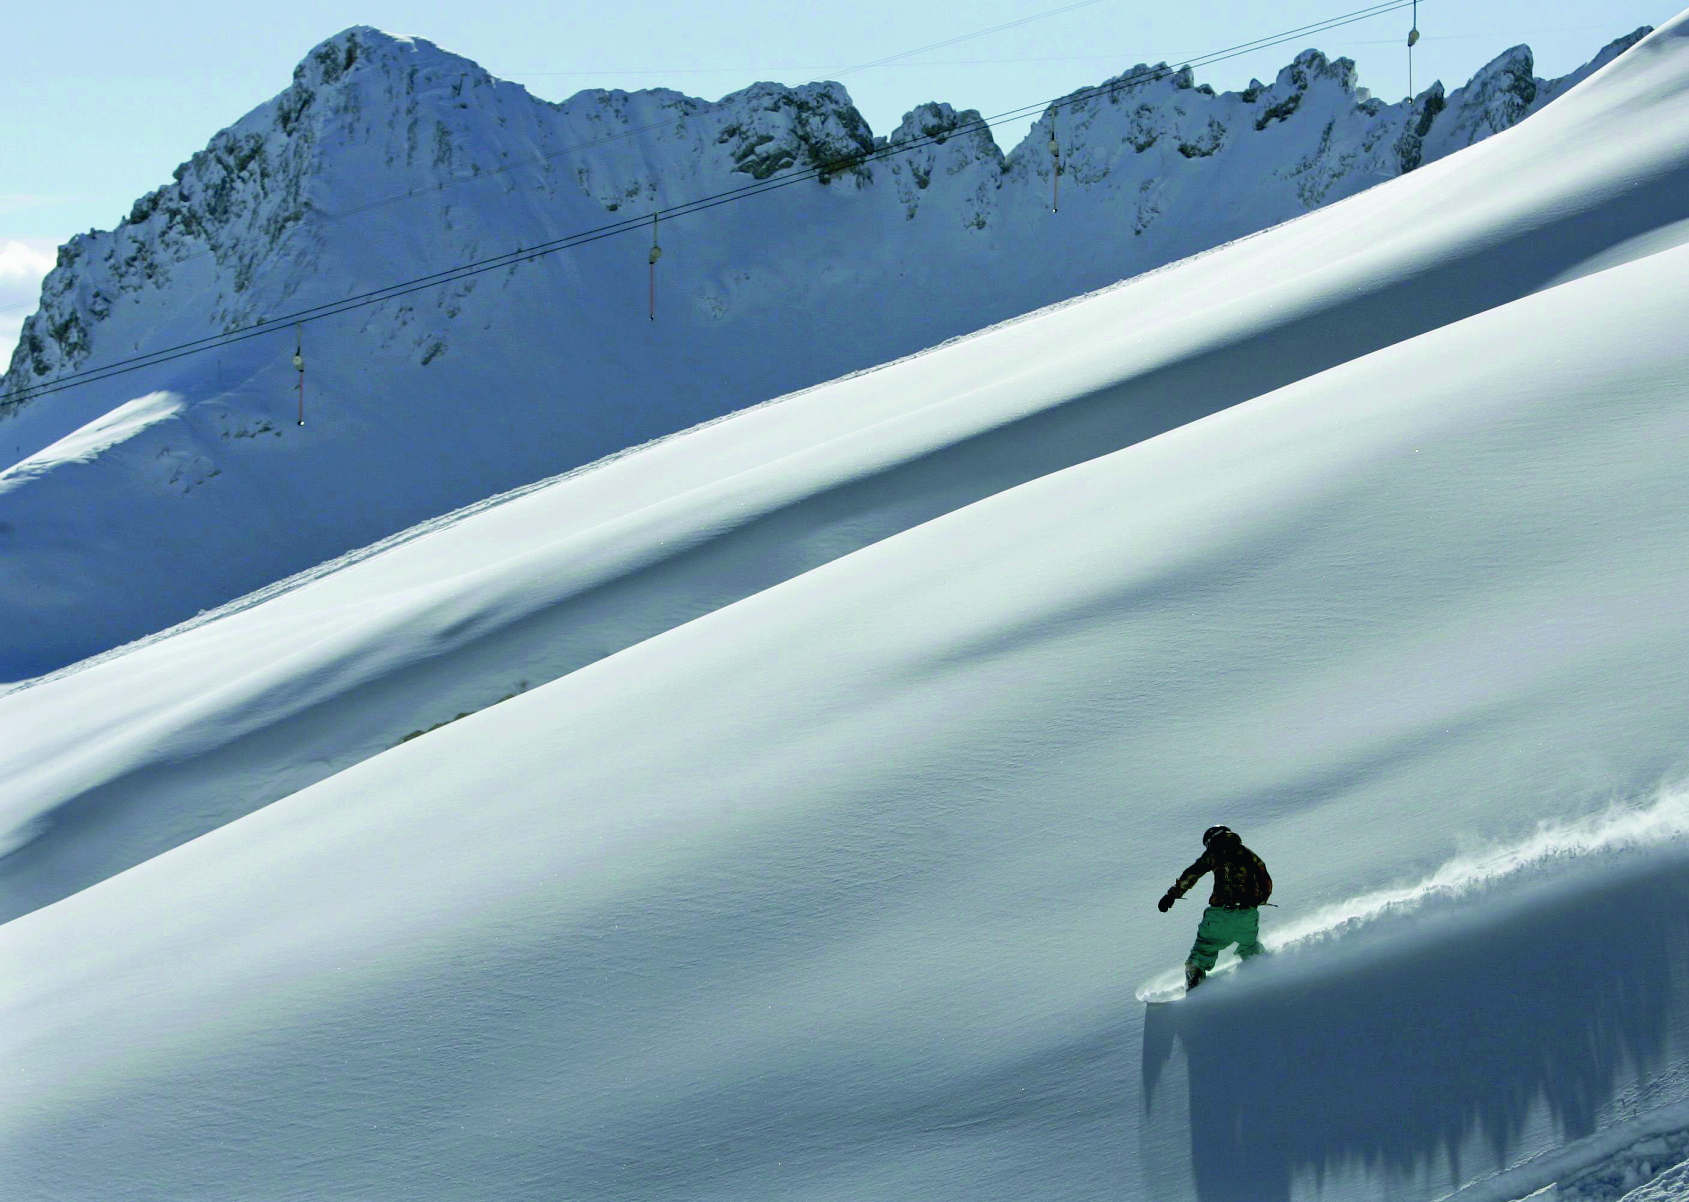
{"x": 1572, "y": 937}
{"x": 1556, "y": 855}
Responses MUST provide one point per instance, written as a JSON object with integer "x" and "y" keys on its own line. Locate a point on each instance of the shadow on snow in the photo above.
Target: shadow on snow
{"x": 1393, "y": 1063}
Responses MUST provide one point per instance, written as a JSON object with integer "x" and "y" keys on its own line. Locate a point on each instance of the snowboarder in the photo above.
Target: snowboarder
{"x": 1241, "y": 886}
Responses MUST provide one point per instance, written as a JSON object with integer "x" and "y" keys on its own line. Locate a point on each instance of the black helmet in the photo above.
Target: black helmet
{"x": 1209, "y": 834}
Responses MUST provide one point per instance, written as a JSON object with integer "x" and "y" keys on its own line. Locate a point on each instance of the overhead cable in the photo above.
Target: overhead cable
{"x": 822, "y": 171}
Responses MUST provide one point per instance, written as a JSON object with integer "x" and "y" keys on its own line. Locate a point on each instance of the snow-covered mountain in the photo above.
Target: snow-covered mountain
{"x": 778, "y": 811}
{"x": 123, "y": 514}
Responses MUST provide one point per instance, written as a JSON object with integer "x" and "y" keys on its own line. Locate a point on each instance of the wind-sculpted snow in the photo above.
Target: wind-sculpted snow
{"x": 88, "y": 443}
{"x": 1653, "y": 1168}
{"x": 437, "y": 400}
{"x": 428, "y": 628}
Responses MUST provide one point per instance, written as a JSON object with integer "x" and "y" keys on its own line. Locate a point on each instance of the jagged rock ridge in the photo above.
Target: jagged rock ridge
{"x": 254, "y": 183}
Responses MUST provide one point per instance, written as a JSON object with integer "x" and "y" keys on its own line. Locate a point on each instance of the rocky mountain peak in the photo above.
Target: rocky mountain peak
{"x": 370, "y": 116}
{"x": 1311, "y": 67}
{"x": 770, "y": 127}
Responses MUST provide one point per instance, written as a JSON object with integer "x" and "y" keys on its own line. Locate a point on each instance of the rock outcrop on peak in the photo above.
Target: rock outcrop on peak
{"x": 388, "y": 159}
{"x": 777, "y": 128}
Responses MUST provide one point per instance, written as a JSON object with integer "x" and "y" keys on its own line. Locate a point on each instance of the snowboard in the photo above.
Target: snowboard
{"x": 1170, "y": 986}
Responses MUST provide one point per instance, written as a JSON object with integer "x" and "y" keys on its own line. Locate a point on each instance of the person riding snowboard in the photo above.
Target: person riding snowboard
{"x": 1241, "y": 886}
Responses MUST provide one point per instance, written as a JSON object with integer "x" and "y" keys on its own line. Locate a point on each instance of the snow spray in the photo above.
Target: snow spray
{"x": 1616, "y": 830}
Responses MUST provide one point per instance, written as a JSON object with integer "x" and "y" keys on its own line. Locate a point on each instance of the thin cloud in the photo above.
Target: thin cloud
{"x": 10, "y": 324}
{"x": 22, "y": 264}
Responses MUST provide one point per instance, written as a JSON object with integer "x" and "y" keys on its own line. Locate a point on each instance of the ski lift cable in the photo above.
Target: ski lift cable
{"x": 612, "y": 229}
{"x": 968, "y": 37}
{"x": 1412, "y": 37}
{"x": 528, "y": 254}
{"x": 505, "y": 168}
{"x": 551, "y": 154}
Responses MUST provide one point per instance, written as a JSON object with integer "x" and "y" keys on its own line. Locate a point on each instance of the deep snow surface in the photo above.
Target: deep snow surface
{"x": 832, "y": 873}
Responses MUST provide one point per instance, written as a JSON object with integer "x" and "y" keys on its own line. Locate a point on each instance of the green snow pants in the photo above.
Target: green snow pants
{"x": 1220, "y": 929}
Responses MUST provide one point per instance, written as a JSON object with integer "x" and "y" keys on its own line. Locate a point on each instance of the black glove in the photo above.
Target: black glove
{"x": 1166, "y": 902}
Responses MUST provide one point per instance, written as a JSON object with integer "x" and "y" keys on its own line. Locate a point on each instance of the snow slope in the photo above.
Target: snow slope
{"x": 439, "y": 399}
{"x": 837, "y": 884}
{"x": 327, "y": 675}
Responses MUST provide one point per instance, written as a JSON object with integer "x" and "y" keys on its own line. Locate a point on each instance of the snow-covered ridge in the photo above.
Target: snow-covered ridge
{"x": 435, "y": 401}
{"x": 84, "y": 445}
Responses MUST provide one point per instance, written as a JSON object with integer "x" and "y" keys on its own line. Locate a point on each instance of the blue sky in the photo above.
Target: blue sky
{"x": 112, "y": 96}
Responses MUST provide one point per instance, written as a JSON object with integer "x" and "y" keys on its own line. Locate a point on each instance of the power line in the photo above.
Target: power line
{"x": 1468, "y": 37}
{"x": 688, "y": 208}
{"x": 685, "y": 209}
{"x": 999, "y": 62}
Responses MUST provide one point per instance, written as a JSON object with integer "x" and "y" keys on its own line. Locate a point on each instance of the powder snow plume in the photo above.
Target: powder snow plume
{"x": 1556, "y": 851}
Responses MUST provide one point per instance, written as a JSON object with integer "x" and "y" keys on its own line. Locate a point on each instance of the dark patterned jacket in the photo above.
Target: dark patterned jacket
{"x": 1240, "y": 878}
